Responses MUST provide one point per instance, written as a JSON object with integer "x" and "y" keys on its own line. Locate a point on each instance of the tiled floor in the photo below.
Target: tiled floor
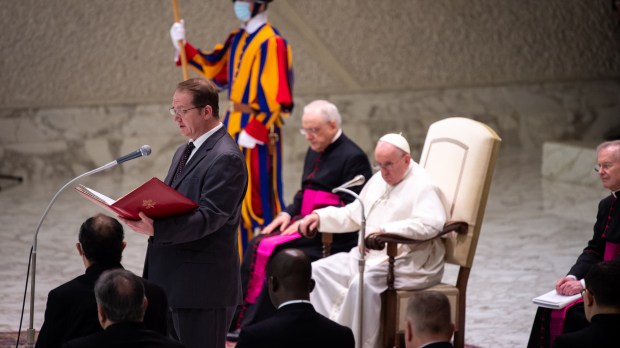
{"x": 522, "y": 248}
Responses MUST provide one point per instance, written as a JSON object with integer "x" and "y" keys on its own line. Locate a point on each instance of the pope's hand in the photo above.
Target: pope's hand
{"x": 309, "y": 224}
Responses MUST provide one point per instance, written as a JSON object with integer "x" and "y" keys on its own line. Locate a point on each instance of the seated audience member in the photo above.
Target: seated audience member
{"x": 120, "y": 307}
{"x": 604, "y": 246}
{"x": 400, "y": 199}
{"x": 331, "y": 160}
{"x": 429, "y": 323}
{"x": 296, "y": 323}
{"x": 601, "y": 298}
{"x": 71, "y": 309}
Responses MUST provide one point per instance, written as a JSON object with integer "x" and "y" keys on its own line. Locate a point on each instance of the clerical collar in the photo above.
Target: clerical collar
{"x": 255, "y": 22}
{"x": 337, "y": 136}
{"x": 615, "y": 193}
{"x": 293, "y": 302}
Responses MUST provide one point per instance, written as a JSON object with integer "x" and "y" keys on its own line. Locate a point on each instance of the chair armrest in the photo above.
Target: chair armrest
{"x": 376, "y": 241}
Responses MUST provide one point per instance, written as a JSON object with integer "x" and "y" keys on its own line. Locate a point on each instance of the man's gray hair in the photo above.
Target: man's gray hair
{"x": 120, "y": 293}
{"x": 328, "y": 110}
{"x": 610, "y": 144}
{"x": 429, "y": 313}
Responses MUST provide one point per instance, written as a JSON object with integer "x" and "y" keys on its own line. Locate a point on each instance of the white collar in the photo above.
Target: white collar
{"x": 255, "y": 22}
{"x": 338, "y": 134}
{"x": 293, "y": 302}
{"x": 201, "y": 139}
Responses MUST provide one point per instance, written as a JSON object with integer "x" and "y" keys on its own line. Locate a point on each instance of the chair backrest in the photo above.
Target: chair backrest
{"x": 460, "y": 155}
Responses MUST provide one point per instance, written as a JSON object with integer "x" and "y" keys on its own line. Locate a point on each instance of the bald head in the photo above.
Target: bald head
{"x": 290, "y": 276}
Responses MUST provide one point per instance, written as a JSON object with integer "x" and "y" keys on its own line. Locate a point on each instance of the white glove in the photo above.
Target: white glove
{"x": 247, "y": 141}
{"x": 177, "y": 32}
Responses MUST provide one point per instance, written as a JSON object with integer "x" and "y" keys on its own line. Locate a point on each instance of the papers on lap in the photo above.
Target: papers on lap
{"x": 554, "y": 300}
{"x": 154, "y": 198}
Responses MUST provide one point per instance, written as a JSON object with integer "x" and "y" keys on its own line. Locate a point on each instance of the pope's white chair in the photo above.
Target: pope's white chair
{"x": 460, "y": 155}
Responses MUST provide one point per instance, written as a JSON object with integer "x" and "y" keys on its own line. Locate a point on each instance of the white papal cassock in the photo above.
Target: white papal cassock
{"x": 411, "y": 208}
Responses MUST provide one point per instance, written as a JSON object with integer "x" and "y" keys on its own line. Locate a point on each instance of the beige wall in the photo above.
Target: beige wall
{"x": 76, "y": 52}
{"x": 83, "y": 82}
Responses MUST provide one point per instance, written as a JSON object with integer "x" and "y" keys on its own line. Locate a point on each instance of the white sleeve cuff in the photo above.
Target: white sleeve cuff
{"x": 247, "y": 140}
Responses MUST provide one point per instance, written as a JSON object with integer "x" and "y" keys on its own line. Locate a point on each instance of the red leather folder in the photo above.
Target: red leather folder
{"x": 154, "y": 198}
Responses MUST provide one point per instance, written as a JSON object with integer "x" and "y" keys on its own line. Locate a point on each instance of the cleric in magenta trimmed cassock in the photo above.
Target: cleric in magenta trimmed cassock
{"x": 255, "y": 65}
{"x": 331, "y": 160}
{"x": 604, "y": 246}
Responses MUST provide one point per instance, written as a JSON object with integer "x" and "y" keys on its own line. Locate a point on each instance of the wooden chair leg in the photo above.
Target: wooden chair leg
{"x": 327, "y": 239}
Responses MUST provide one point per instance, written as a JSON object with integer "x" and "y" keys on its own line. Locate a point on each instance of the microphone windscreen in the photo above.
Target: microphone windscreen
{"x": 145, "y": 150}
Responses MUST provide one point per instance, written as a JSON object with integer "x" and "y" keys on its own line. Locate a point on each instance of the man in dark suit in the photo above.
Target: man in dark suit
{"x": 120, "y": 307}
{"x": 194, "y": 256}
{"x": 601, "y": 299}
{"x": 71, "y": 308}
{"x": 429, "y": 323}
{"x": 296, "y": 323}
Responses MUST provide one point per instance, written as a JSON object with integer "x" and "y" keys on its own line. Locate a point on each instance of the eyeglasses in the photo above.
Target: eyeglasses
{"x": 311, "y": 131}
{"x": 386, "y": 166}
{"x": 583, "y": 292}
{"x": 605, "y": 166}
{"x": 182, "y": 112}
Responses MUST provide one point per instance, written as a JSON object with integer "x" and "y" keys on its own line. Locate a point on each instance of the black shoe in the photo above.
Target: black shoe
{"x": 233, "y": 336}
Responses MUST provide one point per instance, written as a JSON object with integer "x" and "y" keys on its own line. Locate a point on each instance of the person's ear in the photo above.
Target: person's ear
{"x": 588, "y": 299}
{"x": 408, "y": 332}
{"x": 208, "y": 111}
{"x": 311, "y": 285}
{"x": 274, "y": 284}
{"x": 78, "y": 246}
{"x": 407, "y": 158}
{"x": 102, "y": 316}
{"x": 124, "y": 245}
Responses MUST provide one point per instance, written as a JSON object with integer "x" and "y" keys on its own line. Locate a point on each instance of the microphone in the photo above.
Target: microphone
{"x": 356, "y": 181}
{"x": 144, "y": 150}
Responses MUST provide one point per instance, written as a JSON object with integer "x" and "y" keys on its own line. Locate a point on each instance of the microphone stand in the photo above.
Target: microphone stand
{"x": 33, "y": 253}
{"x": 361, "y": 264}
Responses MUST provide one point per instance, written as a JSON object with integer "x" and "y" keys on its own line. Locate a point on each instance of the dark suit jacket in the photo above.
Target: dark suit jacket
{"x": 194, "y": 256}
{"x": 603, "y": 332}
{"x": 124, "y": 335}
{"x": 296, "y": 325}
{"x": 72, "y": 309}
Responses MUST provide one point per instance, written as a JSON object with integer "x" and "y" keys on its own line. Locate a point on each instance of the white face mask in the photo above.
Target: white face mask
{"x": 242, "y": 11}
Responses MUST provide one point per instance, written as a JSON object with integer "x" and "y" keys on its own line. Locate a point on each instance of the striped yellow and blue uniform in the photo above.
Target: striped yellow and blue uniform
{"x": 257, "y": 70}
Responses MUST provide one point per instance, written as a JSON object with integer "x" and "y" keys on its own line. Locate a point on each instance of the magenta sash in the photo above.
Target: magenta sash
{"x": 611, "y": 251}
{"x": 257, "y": 276}
{"x": 314, "y": 199}
{"x": 556, "y": 326}
{"x": 311, "y": 200}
